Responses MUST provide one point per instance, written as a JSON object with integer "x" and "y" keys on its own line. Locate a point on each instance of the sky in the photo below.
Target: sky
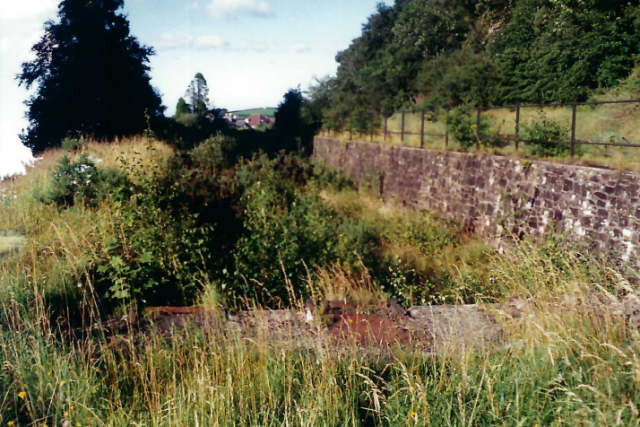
{"x": 250, "y": 51}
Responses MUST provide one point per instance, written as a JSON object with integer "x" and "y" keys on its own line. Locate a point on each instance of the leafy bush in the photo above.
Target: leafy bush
{"x": 81, "y": 181}
{"x": 216, "y": 153}
{"x": 286, "y": 229}
{"x": 158, "y": 252}
{"x": 70, "y": 145}
{"x": 462, "y": 125}
{"x": 544, "y": 137}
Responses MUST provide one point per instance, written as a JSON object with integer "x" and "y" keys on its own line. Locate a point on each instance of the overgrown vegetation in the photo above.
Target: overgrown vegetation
{"x": 464, "y": 129}
{"x": 546, "y": 138}
{"x": 207, "y": 226}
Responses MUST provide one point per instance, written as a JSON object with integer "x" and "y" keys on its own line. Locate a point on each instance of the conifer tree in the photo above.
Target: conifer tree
{"x": 91, "y": 74}
{"x": 198, "y": 94}
{"x": 182, "y": 108}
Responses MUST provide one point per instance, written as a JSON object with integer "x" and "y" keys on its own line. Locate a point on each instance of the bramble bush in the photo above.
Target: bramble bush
{"x": 545, "y": 136}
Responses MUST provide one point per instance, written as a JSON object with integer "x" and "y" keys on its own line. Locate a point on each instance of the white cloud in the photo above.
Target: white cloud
{"x": 300, "y": 48}
{"x": 184, "y": 41}
{"x": 250, "y": 46}
{"x": 233, "y": 8}
{"x": 14, "y": 10}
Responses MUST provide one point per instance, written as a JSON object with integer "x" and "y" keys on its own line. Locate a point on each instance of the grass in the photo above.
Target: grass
{"x": 9, "y": 243}
{"x": 602, "y": 123}
{"x": 573, "y": 359}
{"x": 243, "y": 114}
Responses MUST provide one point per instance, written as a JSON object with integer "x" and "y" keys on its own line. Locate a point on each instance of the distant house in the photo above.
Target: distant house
{"x": 255, "y": 120}
{"x": 241, "y": 124}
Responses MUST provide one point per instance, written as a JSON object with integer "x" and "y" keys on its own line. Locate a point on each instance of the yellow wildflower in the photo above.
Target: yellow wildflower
{"x": 62, "y": 383}
{"x": 71, "y": 408}
{"x": 413, "y": 414}
{"x": 77, "y": 424}
{"x": 350, "y": 320}
{"x": 66, "y": 414}
{"x": 22, "y": 395}
{"x": 10, "y": 423}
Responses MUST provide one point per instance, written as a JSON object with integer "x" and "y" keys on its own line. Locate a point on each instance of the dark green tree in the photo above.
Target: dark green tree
{"x": 198, "y": 94}
{"x": 563, "y": 50}
{"x": 92, "y": 77}
{"x": 182, "y": 108}
{"x": 291, "y": 128}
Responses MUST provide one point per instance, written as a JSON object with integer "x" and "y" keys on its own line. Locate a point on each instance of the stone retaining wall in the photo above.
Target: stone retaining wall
{"x": 495, "y": 195}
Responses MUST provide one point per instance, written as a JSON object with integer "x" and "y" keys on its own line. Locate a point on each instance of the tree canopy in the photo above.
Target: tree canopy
{"x": 439, "y": 53}
{"x": 92, "y": 77}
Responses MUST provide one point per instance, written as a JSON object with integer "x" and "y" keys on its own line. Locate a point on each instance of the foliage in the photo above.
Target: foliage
{"x": 198, "y": 94}
{"x": 443, "y": 54}
{"x": 92, "y": 77}
{"x": 70, "y": 145}
{"x": 546, "y": 137}
{"x": 462, "y": 77}
{"x": 217, "y": 153}
{"x": 567, "y": 354}
{"x": 463, "y": 126}
{"x": 182, "y": 108}
{"x": 562, "y": 51}
{"x": 82, "y": 182}
{"x": 189, "y": 119}
{"x": 293, "y": 132}
{"x": 157, "y": 253}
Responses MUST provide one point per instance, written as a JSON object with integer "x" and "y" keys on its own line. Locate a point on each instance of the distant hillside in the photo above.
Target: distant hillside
{"x": 242, "y": 114}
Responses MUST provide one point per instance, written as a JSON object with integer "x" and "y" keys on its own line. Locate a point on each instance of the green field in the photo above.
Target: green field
{"x": 242, "y": 114}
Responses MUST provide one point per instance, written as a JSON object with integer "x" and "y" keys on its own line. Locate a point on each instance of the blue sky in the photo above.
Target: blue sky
{"x": 250, "y": 51}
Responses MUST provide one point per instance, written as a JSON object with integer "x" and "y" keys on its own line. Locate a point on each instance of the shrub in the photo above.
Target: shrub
{"x": 81, "y": 181}
{"x": 70, "y": 145}
{"x": 157, "y": 253}
{"x": 463, "y": 127}
{"x": 543, "y": 137}
{"x": 216, "y": 153}
{"x": 286, "y": 229}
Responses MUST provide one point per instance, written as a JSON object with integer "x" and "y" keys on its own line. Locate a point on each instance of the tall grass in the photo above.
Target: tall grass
{"x": 568, "y": 362}
{"x": 569, "y": 356}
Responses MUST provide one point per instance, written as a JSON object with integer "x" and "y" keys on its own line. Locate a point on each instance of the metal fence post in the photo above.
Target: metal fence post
{"x": 385, "y": 128}
{"x": 372, "y": 126}
{"x": 517, "y": 124}
{"x": 422, "y": 131}
{"x": 446, "y": 128}
{"x": 573, "y": 129}
{"x": 402, "y": 129}
{"x": 478, "y": 129}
